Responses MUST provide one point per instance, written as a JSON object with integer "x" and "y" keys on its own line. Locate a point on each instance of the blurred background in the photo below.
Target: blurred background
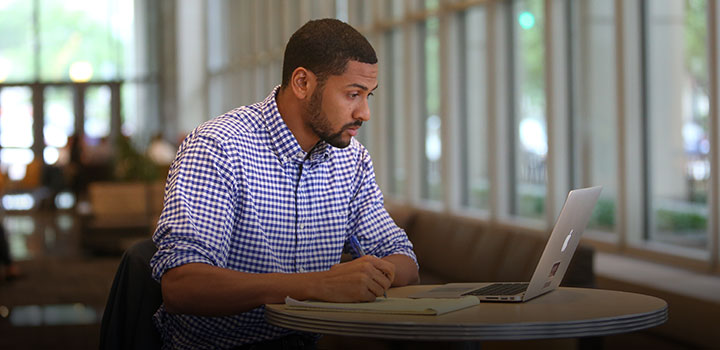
{"x": 489, "y": 109}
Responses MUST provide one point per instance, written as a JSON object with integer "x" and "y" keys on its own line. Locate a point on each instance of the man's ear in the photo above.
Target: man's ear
{"x": 303, "y": 83}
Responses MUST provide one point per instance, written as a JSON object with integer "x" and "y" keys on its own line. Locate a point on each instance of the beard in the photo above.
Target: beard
{"x": 319, "y": 122}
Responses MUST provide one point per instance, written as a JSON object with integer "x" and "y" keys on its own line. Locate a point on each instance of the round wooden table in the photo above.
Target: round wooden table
{"x": 563, "y": 313}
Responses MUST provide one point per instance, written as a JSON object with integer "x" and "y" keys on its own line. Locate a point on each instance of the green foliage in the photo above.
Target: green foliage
{"x": 479, "y": 198}
{"x": 131, "y": 165}
{"x": 432, "y": 66}
{"x": 679, "y": 222}
{"x": 531, "y": 206}
{"x": 604, "y": 214}
{"x": 532, "y": 54}
{"x": 65, "y": 37}
{"x": 695, "y": 42}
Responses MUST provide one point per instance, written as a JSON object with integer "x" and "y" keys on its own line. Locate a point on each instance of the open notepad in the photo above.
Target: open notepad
{"x": 403, "y": 306}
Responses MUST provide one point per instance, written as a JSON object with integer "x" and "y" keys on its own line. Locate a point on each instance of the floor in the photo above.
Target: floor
{"x": 59, "y": 300}
{"x": 58, "y": 303}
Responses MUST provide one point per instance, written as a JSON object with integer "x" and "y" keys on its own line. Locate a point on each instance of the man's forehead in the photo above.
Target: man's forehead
{"x": 361, "y": 75}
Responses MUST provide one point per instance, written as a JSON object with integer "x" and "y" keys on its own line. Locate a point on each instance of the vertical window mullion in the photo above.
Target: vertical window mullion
{"x": 644, "y": 106}
{"x": 714, "y": 198}
{"x": 511, "y": 100}
{"x": 448, "y": 115}
{"x": 492, "y": 113}
{"x": 38, "y": 92}
{"x": 622, "y": 195}
{"x": 422, "y": 84}
{"x": 463, "y": 112}
{"x": 551, "y": 160}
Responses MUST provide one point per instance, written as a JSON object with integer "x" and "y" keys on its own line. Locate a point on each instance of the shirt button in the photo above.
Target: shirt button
{"x": 302, "y": 226}
{"x": 302, "y": 269}
{"x": 300, "y": 155}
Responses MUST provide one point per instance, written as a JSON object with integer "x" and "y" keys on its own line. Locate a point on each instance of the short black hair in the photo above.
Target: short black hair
{"x": 324, "y": 47}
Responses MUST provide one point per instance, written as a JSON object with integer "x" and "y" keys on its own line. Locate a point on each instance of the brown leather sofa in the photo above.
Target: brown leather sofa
{"x": 451, "y": 248}
{"x": 120, "y": 214}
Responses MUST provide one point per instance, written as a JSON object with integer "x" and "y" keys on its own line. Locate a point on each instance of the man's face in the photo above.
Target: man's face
{"x": 339, "y": 106}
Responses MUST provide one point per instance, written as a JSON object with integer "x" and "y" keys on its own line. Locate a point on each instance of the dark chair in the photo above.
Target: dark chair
{"x": 134, "y": 297}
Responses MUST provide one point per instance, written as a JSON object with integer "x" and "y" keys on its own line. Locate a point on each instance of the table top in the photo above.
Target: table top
{"x": 563, "y": 313}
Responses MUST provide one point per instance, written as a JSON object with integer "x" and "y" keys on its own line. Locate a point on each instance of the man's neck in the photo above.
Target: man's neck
{"x": 291, "y": 110}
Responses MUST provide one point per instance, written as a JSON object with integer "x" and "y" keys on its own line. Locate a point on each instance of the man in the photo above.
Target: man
{"x": 261, "y": 202}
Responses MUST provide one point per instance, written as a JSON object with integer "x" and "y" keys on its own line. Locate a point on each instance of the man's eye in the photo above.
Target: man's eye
{"x": 354, "y": 94}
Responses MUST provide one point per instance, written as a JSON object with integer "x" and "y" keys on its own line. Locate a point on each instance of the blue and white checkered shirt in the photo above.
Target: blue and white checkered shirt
{"x": 242, "y": 195}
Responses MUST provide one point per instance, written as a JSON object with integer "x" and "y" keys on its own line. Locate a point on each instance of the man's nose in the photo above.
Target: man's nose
{"x": 363, "y": 112}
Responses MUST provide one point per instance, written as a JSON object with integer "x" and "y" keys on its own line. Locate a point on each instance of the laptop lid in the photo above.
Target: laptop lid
{"x": 553, "y": 263}
{"x": 563, "y": 241}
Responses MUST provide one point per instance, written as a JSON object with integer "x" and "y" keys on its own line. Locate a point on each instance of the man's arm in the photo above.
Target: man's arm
{"x": 206, "y": 290}
{"x": 406, "y": 272}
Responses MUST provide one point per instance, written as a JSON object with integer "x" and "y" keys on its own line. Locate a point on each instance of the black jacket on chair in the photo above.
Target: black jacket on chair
{"x": 134, "y": 297}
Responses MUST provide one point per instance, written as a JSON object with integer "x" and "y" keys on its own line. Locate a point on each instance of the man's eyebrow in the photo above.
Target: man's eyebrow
{"x": 362, "y": 87}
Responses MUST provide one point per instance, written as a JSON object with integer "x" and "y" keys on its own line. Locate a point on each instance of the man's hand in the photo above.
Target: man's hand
{"x": 205, "y": 290}
{"x": 362, "y": 279}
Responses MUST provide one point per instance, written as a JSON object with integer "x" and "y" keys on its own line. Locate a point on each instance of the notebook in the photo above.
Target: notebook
{"x": 553, "y": 263}
{"x": 400, "y": 306}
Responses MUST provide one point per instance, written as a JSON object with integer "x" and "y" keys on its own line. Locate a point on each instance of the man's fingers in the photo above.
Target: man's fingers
{"x": 387, "y": 268}
{"x": 380, "y": 274}
{"x": 362, "y": 279}
{"x": 375, "y": 289}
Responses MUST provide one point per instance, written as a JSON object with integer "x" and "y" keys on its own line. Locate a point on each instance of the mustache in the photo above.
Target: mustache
{"x": 350, "y": 125}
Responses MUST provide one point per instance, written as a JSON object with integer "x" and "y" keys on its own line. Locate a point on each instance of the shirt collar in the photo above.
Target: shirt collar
{"x": 286, "y": 146}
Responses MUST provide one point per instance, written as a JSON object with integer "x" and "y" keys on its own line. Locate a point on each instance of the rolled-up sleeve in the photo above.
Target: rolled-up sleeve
{"x": 199, "y": 207}
{"x": 370, "y": 222}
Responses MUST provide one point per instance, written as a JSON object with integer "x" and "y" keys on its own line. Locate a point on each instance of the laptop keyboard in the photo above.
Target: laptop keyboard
{"x": 500, "y": 289}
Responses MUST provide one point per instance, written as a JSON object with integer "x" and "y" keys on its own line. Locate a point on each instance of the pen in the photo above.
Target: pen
{"x": 355, "y": 244}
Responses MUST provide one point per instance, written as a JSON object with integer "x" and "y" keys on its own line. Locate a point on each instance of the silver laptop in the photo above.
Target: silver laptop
{"x": 553, "y": 263}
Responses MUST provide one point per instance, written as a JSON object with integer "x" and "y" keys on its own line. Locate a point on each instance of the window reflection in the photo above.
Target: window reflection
{"x": 19, "y": 230}
{"x": 53, "y": 315}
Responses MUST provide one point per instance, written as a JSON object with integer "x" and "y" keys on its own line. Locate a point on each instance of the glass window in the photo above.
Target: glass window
{"x": 393, "y": 9}
{"x": 130, "y": 93}
{"x": 16, "y": 50}
{"x": 359, "y": 12}
{"x": 677, "y": 107}
{"x": 217, "y": 35}
{"x": 16, "y": 134}
{"x": 322, "y": 8}
{"x": 473, "y": 107}
{"x": 82, "y": 40}
{"x": 20, "y": 229}
{"x": 431, "y": 123}
{"x": 593, "y": 106}
{"x": 97, "y": 111}
{"x": 341, "y": 10}
{"x": 426, "y": 4}
{"x": 394, "y": 116}
{"x": 530, "y": 132}
{"x": 59, "y": 121}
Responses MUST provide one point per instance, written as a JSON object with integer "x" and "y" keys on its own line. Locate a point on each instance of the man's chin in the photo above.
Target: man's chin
{"x": 340, "y": 142}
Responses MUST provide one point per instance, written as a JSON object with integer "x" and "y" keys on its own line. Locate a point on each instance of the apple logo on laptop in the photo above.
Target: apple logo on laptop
{"x": 567, "y": 240}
